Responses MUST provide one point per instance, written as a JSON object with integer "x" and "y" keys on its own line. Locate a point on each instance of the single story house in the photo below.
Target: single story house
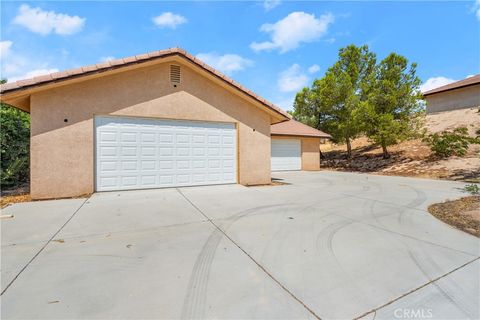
{"x": 161, "y": 119}
{"x": 461, "y": 94}
{"x": 295, "y": 146}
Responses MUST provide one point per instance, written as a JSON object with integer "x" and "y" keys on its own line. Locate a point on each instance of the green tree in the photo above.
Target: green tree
{"x": 331, "y": 103}
{"x": 392, "y": 112}
{"x": 15, "y": 143}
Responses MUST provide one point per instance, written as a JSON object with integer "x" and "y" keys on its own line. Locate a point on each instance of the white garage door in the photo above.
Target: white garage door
{"x": 286, "y": 154}
{"x": 134, "y": 153}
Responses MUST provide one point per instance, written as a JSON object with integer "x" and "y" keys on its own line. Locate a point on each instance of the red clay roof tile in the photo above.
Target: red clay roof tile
{"x": 295, "y": 128}
{"x": 118, "y": 63}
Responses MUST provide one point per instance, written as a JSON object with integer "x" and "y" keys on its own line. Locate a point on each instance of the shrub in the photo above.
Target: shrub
{"x": 15, "y": 145}
{"x": 450, "y": 143}
{"x": 472, "y": 188}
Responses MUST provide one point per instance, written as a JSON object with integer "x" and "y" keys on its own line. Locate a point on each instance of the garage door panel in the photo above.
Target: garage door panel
{"x": 286, "y": 154}
{"x": 150, "y": 153}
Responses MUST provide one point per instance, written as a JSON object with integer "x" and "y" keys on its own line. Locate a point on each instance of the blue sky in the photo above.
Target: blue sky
{"x": 273, "y": 48}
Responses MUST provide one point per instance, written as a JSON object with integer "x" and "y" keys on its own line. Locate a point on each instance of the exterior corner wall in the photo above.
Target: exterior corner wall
{"x": 461, "y": 98}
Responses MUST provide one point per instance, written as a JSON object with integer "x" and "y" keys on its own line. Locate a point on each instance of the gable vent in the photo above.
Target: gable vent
{"x": 174, "y": 74}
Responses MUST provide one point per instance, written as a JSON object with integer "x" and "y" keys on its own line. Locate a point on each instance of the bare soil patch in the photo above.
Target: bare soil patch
{"x": 463, "y": 213}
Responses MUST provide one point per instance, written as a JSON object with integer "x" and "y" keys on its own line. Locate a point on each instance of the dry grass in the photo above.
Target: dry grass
{"x": 463, "y": 213}
{"x": 7, "y": 200}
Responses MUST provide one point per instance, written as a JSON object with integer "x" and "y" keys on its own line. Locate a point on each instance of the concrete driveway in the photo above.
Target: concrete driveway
{"x": 327, "y": 245}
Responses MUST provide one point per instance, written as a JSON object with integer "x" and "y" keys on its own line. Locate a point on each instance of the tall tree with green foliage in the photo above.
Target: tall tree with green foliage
{"x": 15, "y": 145}
{"x": 392, "y": 111}
{"x": 331, "y": 103}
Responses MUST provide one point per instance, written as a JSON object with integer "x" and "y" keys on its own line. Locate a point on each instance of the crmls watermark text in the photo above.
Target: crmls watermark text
{"x": 418, "y": 313}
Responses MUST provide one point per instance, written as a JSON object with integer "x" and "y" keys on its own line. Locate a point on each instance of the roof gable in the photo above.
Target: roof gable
{"x": 22, "y": 88}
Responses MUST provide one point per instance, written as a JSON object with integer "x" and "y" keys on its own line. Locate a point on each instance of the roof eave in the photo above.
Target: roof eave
{"x": 327, "y": 136}
{"x": 45, "y": 82}
{"x": 439, "y": 90}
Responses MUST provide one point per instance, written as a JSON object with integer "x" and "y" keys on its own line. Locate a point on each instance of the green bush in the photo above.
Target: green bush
{"x": 472, "y": 188}
{"x": 450, "y": 143}
{"x": 15, "y": 145}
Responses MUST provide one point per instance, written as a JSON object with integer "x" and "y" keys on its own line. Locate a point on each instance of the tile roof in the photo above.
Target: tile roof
{"x": 295, "y": 128}
{"x": 123, "y": 62}
{"x": 455, "y": 85}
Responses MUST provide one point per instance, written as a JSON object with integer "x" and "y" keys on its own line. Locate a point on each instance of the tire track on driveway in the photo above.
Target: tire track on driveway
{"x": 415, "y": 290}
{"x": 427, "y": 261}
{"x": 194, "y": 303}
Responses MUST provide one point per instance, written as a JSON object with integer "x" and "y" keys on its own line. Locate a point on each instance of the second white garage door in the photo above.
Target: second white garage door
{"x": 286, "y": 154}
{"x": 134, "y": 153}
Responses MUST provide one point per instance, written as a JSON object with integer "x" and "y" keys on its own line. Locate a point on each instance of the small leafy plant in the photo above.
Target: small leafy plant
{"x": 450, "y": 143}
{"x": 472, "y": 188}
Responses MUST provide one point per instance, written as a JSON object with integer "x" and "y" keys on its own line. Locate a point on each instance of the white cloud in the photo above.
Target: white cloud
{"x": 286, "y": 103}
{"x": 32, "y": 74}
{"x": 5, "y": 48}
{"x": 270, "y": 4}
{"x": 314, "y": 68}
{"x": 46, "y": 22}
{"x": 435, "y": 82}
{"x": 292, "y": 79}
{"x": 469, "y": 76}
{"x": 297, "y": 27}
{"x": 16, "y": 66}
{"x": 107, "y": 58}
{"x": 227, "y": 63}
{"x": 169, "y": 20}
{"x": 477, "y": 9}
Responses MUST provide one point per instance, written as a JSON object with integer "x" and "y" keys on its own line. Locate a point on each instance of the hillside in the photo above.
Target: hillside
{"x": 412, "y": 158}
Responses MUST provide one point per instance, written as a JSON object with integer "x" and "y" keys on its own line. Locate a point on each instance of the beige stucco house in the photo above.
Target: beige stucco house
{"x": 461, "y": 94}
{"x": 162, "y": 119}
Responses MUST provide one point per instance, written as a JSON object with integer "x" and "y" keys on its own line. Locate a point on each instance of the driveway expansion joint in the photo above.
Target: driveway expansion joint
{"x": 251, "y": 258}
{"x": 415, "y": 290}
{"x": 44, "y": 246}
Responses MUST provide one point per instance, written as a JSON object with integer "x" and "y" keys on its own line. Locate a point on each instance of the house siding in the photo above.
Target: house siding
{"x": 461, "y": 98}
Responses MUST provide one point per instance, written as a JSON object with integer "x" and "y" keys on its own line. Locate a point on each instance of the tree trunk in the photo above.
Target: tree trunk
{"x": 349, "y": 149}
{"x": 386, "y": 155}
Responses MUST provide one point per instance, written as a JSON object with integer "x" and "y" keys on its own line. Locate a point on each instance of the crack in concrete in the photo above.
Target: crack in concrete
{"x": 43, "y": 247}
{"x": 431, "y": 282}
{"x": 131, "y": 231}
{"x": 250, "y": 257}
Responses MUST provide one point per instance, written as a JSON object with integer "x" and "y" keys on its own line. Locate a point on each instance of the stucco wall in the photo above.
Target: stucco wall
{"x": 310, "y": 154}
{"x": 62, "y": 153}
{"x": 310, "y": 151}
{"x": 461, "y": 98}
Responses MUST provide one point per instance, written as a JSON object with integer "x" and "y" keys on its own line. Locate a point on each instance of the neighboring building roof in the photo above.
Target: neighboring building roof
{"x": 123, "y": 62}
{"x": 295, "y": 128}
{"x": 470, "y": 81}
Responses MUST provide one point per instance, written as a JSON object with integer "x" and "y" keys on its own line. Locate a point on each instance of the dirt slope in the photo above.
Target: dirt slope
{"x": 412, "y": 158}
